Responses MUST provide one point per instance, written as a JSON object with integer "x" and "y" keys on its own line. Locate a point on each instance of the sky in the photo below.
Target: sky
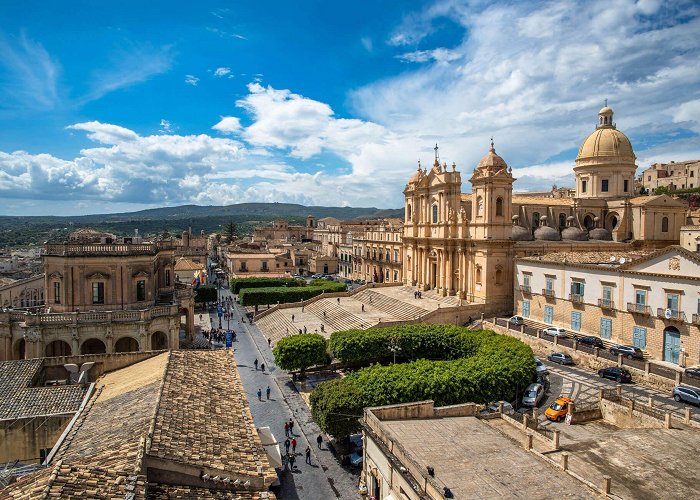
{"x": 121, "y": 106}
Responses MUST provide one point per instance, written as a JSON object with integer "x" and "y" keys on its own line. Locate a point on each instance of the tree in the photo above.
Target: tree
{"x": 662, "y": 190}
{"x": 230, "y": 232}
{"x": 299, "y": 352}
{"x": 205, "y": 293}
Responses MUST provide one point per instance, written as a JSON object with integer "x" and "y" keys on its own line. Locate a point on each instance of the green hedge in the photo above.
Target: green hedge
{"x": 238, "y": 283}
{"x": 489, "y": 367}
{"x": 273, "y": 295}
{"x": 299, "y": 352}
{"x": 205, "y": 293}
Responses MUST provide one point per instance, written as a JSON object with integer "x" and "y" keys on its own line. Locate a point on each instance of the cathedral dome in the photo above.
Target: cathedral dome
{"x": 544, "y": 232}
{"x": 606, "y": 144}
{"x": 574, "y": 234}
{"x": 600, "y": 233}
{"x": 520, "y": 233}
{"x": 492, "y": 160}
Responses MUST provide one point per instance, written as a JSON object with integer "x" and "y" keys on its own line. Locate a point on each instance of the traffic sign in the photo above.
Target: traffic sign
{"x": 229, "y": 339}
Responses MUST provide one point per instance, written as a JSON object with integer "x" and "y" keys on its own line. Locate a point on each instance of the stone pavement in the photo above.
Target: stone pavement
{"x": 325, "y": 478}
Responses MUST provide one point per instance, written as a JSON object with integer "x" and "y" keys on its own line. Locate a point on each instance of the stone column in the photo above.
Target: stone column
{"x": 450, "y": 273}
{"x": 443, "y": 272}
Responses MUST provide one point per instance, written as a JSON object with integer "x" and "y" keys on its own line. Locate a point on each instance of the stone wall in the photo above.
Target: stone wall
{"x": 53, "y": 367}
{"x": 24, "y": 438}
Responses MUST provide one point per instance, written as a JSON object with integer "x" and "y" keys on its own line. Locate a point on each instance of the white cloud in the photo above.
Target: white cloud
{"x": 228, "y": 124}
{"x": 222, "y": 71}
{"x": 165, "y": 126}
{"x": 191, "y": 80}
{"x": 366, "y": 42}
{"x": 438, "y": 55}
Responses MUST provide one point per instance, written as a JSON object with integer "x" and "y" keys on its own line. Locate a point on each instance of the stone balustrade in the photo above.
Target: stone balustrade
{"x": 75, "y": 318}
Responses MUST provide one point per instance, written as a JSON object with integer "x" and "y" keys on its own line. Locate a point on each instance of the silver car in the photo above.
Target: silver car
{"x": 687, "y": 394}
{"x": 540, "y": 368}
{"x": 533, "y": 395}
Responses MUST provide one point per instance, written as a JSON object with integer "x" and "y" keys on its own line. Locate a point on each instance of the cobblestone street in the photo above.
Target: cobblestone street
{"x": 325, "y": 478}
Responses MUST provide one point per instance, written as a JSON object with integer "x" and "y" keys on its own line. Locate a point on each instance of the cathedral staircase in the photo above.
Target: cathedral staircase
{"x": 397, "y": 308}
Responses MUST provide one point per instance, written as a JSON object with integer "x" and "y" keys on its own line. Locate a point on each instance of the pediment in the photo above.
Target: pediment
{"x": 56, "y": 276}
{"x": 98, "y": 276}
{"x": 140, "y": 274}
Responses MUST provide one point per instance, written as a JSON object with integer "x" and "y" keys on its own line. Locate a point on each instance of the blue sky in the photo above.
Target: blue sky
{"x": 108, "y": 106}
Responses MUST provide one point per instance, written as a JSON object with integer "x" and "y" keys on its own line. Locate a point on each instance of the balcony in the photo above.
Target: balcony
{"x": 670, "y": 314}
{"x": 526, "y": 289}
{"x": 606, "y": 303}
{"x": 548, "y": 293}
{"x": 635, "y": 308}
{"x": 696, "y": 319}
{"x": 577, "y": 298}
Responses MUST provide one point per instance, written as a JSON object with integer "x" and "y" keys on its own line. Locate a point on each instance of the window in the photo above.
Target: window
{"x": 408, "y": 213}
{"x": 692, "y": 174}
{"x": 140, "y": 290}
{"x": 264, "y": 265}
{"x": 640, "y": 297}
{"x": 576, "y": 321}
{"x": 604, "y": 185}
{"x": 396, "y": 255}
{"x": 396, "y": 276}
{"x": 98, "y": 293}
{"x": 244, "y": 266}
{"x": 626, "y": 185}
{"x": 607, "y": 296}
{"x": 526, "y": 281}
{"x": 56, "y": 292}
{"x": 435, "y": 214}
{"x": 478, "y": 274}
{"x": 499, "y": 277}
{"x": 605, "y": 328}
{"x": 649, "y": 178}
{"x": 499, "y": 207}
{"x": 526, "y": 308}
{"x": 548, "y": 314}
{"x": 167, "y": 277}
{"x": 672, "y": 300}
{"x": 549, "y": 284}
{"x": 664, "y": 225}
{"x": 577, "y": 288}
{"x": 639, "y": 337}
{"x": 562, "y": 220}
{"x": 536, "y": 219}
{"x": 584, "y": 186}
{"x": 479, "y": 205}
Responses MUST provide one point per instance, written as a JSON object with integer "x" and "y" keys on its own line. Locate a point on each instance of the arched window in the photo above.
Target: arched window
{"x": 478, "y": 274}
{"x": 499, "y": 207}
{"x": 562, "y": 220}
{"x": 499, "y": 276}
{"x": 664, "y": 225}
{"x": 536, "y": 219}
{"x": 435, "y": 214}
{"x": 479, "y": 205}
{"x": 408, "y": 213}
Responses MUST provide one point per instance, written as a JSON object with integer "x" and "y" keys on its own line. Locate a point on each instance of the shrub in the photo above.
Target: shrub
{"x": 254, "y": 282}
{"x": 478, "y": 366}
{"x": 273, "y": 295}
{"x": 299, "y": 352}
{"x": 205, "y": 293}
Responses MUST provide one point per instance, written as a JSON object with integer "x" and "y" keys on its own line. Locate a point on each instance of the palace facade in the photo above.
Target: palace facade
{"x": 464, "y": 244}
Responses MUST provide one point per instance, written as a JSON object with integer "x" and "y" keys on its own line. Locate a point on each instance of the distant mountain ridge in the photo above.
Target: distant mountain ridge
{"x": 24, "y": 230}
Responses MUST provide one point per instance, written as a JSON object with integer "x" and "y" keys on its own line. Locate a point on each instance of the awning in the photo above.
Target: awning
{"x": 271, "y": 447}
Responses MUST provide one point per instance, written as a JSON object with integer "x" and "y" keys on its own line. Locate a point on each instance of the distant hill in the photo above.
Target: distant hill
{"x": 21, "y": 230}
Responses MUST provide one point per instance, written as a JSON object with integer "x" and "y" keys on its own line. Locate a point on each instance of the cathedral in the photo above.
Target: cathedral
{"x": 463, "y": 244}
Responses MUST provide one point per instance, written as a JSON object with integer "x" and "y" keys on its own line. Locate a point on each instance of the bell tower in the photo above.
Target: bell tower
{"x": 492, "y": 196}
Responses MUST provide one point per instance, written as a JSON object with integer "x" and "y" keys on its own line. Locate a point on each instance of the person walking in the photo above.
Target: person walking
{"x": 286, "y": 428}
{"x": 287, "y": 442}
{"x": 292, "y": 459}
{"x": 256, "y": 364}
{"x": 304, "y": 328}
{"x": 269, "y": 342}
{"x": 308, "y": 455}
{"x": 291, "y": 427}
{"x": 262, "y": 367}
{"x": 267, "y": 392}
{"x": 319, "y": 440}
{"x": 363, "y": 308}
{"x": 292, "y": 318}
{"x": 259, "y": 394}
{"x": 338, "y": 300}
{"x": 294, "y": 446}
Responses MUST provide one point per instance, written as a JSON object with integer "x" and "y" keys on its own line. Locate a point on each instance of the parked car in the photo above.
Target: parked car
{"x": 591, "y": 341}
{"x": 558, "y": 410}
{"x": 627, "y": 350}
{"x": 561, "y": 358}
{"x": 555, "y": 331}
{"x": 540, "y": 367}
{"x": 687, "y": 394}
{"x": 516, "y": 320}
{"x": 533, "y": 395}
{"x": 693, "y": 372}
{"x": 615, "y": 373}
{"x": 316, "y": 276}
{"x": 493, "y": 408}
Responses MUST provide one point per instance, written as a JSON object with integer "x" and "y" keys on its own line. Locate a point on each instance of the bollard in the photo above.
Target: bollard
{"x": 556, "y": 340}
{"x": 528, "y": 442}
{"x": 522, "y": 328}
{"x": 678, "y": 378}
{"x": 667, "y": 420}
{"x": 631, "y": 406}
{"x": 555, "y": 440}
{"x": 651, "y": 402}
{"x": 619, "y": 360}
{"x": 500, "y": 407}
{"x": 534, "y": 413}
{"x": 600, "y": 394}
{"x": 646, "y": 367}
{"x": 525, "y": 422}
{"x": 606, "y": 485}
{"x": 565, "y": 461}
{"x": 687, "y": 415}
{"x": 575, "y": 341}
{"x": 539, "y": 332}
{"x": 618, "y": 390}
{"x": 595, "y": 352}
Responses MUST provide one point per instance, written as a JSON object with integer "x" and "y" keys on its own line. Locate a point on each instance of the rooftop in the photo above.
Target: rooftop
{"x": 612, "y": 260}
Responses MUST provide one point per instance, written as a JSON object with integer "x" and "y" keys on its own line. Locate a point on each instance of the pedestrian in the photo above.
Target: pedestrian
{"x": 338, "y": 300}
{"x": 267, "y": 392}
{"x": 319, "y": 440}
{"x": 324, "y": 314}
{"x": 262, "y": 367}
{"x": 287, "y": 330}
{"x": 291, "y": 427}
{"x": 269, "y": 342}
{"x": 292, "y": 459}
{"x": 323, "y": 328}
{"x": 302, "y": 308}
{"x": 256, "y": 364}
{"x": 286, "y": 428}
{"x": 287, "y": 442}
{"x": 370, "y": 299}
{"x": 363, "y": 308}
{"x": 292, "y": 318}
{"x": 294, "y": 445}
{"x": 304, "y": 328}
{"x": 299, "y": 331}
{"x": 308, "y": 455}
{"x": 259, "y": 394}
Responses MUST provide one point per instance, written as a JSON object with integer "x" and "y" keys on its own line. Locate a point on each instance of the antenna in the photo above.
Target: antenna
{"x": 606, "y": 102}
{"x": 436, "y": 152}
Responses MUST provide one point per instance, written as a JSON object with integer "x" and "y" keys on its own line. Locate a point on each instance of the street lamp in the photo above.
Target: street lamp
{"x": 394, "y": 348}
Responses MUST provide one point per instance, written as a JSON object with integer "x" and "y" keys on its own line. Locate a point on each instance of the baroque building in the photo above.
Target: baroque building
{"x": 464, "y": 244}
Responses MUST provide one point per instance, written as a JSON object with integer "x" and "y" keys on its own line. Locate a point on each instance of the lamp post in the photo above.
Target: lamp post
{"x": 394, "y": 348}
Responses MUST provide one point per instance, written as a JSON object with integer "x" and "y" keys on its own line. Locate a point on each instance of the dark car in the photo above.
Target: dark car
{"x": 687, "y": 394}
{"x": 628, "y": 351}
{"x": 615, "y": 373}
{"x": 591, "y": 341}
{"x": 561, "y": 358}
{"x": 693, "y": 372}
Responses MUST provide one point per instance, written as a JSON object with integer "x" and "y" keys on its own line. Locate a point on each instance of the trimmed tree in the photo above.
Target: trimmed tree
{"x": 300, "y": 352}
{"x": 205, "y": 293}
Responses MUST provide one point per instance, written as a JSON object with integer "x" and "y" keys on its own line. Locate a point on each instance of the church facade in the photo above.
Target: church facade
{"x": 465, "y": 244}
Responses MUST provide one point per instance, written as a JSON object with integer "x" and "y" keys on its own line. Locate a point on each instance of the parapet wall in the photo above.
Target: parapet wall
{"x": 104, "y": 363}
